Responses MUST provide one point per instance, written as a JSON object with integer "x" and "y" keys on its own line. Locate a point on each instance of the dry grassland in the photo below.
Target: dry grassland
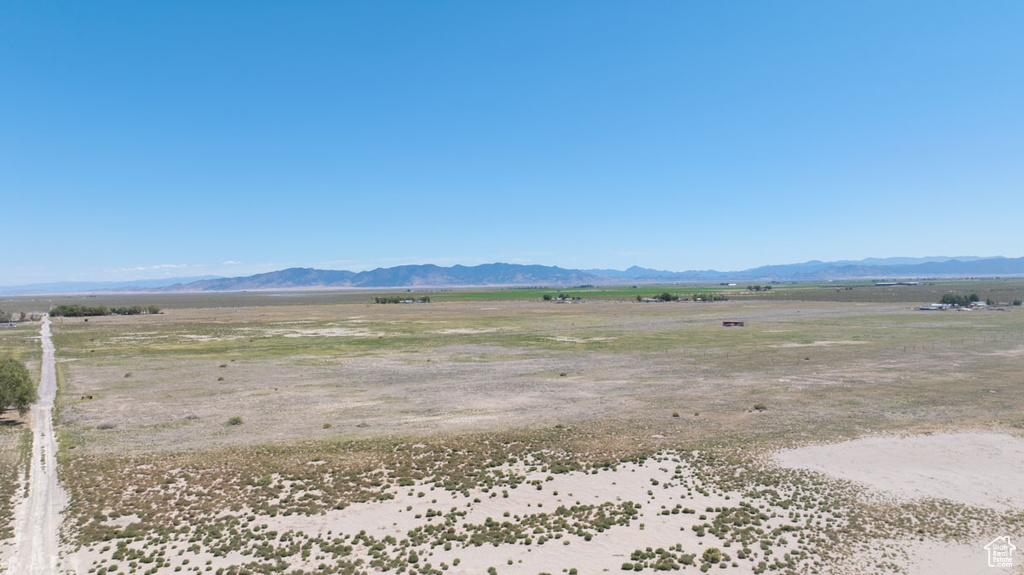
{"x": 416, "y": 438}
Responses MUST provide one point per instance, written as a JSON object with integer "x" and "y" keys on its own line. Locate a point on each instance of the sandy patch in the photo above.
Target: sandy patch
{"x": 980, "y": 469}
{"x": 123, "y": 521}
{"x": 323, "y": 332}
{"x": 209, "y": 337}
{"x": 579, "y": 339}
{"x": 820, "y": 344}
{"x": 467, "y": 330}
{"x": 138, "y": 337}
{"x": 929, "y": 558}
{"x": 1006, "y": 352}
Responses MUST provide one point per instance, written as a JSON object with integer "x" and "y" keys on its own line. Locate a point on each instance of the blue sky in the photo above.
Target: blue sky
{"x": 152, "y": 139}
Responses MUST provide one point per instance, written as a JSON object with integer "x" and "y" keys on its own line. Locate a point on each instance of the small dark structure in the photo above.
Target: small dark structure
{"x": 732, "y": 324}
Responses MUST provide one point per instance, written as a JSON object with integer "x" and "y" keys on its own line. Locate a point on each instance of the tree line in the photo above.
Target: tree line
{"x": 959, "y": 300}
{"x": 14, "y": 316}
{"x": 396, "y": 299}
{"x": 699, "y": 296}
{"x": 75, "y": 310}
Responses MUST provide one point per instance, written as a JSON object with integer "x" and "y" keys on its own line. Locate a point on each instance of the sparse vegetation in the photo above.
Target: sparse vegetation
{"x": 385, "y": 376}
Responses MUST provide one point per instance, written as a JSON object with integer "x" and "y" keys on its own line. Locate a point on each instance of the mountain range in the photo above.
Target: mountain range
{"x": 429, "y": 275}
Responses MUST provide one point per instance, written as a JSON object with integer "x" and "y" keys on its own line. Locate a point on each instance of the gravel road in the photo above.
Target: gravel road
{"x": 38, "y": 517}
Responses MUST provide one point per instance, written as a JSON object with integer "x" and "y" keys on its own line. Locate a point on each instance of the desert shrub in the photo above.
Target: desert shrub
{"x": 712, "y": 555}
{"x": 235, "y": 421}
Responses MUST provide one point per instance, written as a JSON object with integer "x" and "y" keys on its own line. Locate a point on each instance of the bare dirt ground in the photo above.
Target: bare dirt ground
{"x": 38, "y": 516}
{"x": 975, "y": 469}
{"x": 983, "y": 469}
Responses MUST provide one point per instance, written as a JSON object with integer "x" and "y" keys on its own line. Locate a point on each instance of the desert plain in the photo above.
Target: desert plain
{"x": 488, "y": 431}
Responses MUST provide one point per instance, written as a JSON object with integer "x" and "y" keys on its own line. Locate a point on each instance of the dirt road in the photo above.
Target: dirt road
{"x": 38, "y": 517}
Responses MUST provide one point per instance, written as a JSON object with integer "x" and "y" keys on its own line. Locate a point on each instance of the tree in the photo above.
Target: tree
{"x": 16, "y": 388}
{"x": 958, "y": 300}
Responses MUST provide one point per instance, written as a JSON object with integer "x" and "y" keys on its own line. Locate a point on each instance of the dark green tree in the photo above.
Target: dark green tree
{"x": 16, "y": 388}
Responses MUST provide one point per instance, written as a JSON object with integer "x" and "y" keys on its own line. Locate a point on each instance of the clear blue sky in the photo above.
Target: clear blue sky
{"x": 147, "y": 139}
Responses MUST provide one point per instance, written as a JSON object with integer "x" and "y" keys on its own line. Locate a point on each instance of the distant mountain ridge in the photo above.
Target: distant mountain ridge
{"x": 426, "y": 275}
{"x": 430, "y": 275}
{"x": 67, "y": 287}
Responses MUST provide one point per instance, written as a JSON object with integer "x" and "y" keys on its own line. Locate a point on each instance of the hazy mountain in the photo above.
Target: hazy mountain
{"x": 630, "y": 272}
{"x": 71, "y": 287}
{"x": 400, "y": 276}
{"x": 514, "y": 274}
{"x": 289, "y": 278}
{"x": 898, "y": 261}
{"x": 429, "y": 275}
